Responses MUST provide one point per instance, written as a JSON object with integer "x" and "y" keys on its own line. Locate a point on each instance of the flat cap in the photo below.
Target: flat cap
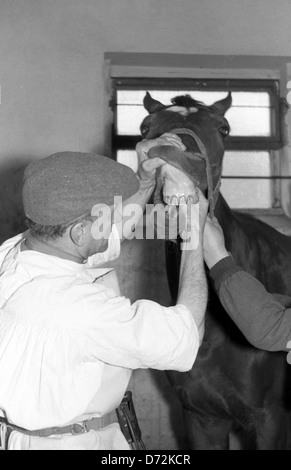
{"x": 66, "y": 185}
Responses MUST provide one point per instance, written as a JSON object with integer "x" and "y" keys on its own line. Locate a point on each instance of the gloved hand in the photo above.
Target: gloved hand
{"x": 147, "y": 166}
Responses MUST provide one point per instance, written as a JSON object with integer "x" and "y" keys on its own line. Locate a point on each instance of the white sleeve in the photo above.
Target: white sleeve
{"x": 142, "y": 335}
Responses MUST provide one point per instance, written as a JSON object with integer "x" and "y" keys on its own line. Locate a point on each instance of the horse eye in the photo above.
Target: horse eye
{"x": 224, "y": 131}
{"x": 144, "y": 130}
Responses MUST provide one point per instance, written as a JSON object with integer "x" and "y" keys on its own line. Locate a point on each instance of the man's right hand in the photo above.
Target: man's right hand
{"x": 193, "y": 285}
{"x": 193, "y": 217}
{"x": 214, "y": 248}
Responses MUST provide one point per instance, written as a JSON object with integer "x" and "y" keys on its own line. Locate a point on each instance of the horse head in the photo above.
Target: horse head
{"x": 202, "y": 130}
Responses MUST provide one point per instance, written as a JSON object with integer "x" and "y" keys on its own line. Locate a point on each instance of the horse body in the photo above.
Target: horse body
{"x": 233, "y": 388}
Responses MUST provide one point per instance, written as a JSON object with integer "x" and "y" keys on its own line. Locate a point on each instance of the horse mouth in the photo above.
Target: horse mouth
{"x": 179, "y": 178}
{"x": 177, "y": 187}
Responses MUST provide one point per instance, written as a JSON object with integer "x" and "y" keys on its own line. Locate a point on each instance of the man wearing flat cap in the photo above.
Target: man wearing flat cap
{"x": 68, "y": 340}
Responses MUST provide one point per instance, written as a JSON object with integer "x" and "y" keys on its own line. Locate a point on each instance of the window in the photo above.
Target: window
{"x": 251, "y": 168}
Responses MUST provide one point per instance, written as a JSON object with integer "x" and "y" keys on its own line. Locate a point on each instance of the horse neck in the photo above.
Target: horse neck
{"x": 224, "y": 213}
{"x": 239, "y": 237}
{"x": 256, "y": 247}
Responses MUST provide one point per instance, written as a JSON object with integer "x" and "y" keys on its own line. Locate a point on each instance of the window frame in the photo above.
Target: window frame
{"x": 271, "y": 86}
{"x": 272, "y": 144}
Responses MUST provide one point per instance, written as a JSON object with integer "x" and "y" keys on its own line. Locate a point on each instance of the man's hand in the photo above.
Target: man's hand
{"x": 192, "y": 218}
{"x": 213, "y": 242}
{"x": 148, "y": 166}
{"x": 147, "y": 175}
{"x": 193, "y": 285}
{"x": 203, "y": 210}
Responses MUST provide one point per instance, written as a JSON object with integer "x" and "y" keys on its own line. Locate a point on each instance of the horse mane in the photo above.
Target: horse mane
{"x": 187, "y": 102}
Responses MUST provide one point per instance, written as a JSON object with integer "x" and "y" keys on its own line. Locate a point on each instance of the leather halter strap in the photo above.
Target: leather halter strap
{"x": 212, "y": 192}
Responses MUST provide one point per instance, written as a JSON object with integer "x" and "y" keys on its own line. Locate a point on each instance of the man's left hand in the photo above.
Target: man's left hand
{"x": 213, "y": 242}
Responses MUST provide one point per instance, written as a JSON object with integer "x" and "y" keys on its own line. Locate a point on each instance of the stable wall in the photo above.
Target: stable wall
{"x": 52, "y": 59}
{"x": 52, "y": 53}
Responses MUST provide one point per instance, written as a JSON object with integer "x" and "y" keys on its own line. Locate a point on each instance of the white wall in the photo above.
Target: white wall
{"x": 51, "y": 57}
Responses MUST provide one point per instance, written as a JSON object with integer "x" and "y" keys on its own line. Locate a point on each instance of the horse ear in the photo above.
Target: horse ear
{"x": 223, "y": 105}
{"x": 151, "y": 105}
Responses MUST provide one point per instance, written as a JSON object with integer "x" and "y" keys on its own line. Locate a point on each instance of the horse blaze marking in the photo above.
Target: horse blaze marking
{"x": 181, "y": 110}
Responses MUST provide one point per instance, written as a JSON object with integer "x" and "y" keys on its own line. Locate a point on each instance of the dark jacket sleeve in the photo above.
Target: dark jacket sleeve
{"x": 263, "y": 318}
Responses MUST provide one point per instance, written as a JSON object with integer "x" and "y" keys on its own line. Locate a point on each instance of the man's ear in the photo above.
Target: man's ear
{"x": 78, "y": 233}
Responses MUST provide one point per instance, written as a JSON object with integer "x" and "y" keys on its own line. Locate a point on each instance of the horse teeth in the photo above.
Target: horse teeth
{"x": 193, "y": 199}
{"x": 174, "y": 201}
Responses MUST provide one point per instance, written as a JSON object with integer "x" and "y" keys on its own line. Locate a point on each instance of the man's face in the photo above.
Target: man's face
{"x": 101, "y": 227}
